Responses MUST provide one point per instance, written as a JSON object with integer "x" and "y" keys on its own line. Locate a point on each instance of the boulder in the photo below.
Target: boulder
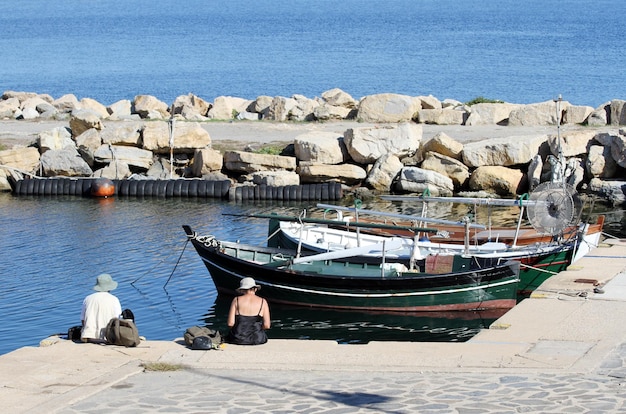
{"x": 227, "y": 107}
{"x": 505, "y": 182}
{"x": 95, "y": 107}
{"x": 337, "y": 97}
{"x": 618, "y": 112}
{"x": 275, "y": 178}
{"x": 190, "y": 106}
{"x": 281, "y": 109}
{"x": 206, "y": 160}
{"x": 9, "y": 107}
{"x": 367, "y": 144}
{"x": 534, "y": 172}
{"x": 22, "y": 159}
{"x": 600, "y": 116}
{"x": 618, "y": 149}
{"x": 574, "y": 172}
{"x": 543, "y": 113}
{"x": 120, "y": 109}
{"x": 383, "y": 173}
{"x": 87, "y": 143}
{"x": 122, "y": 134}
{"x": 55, "y": 139}
{"x": 504, "y": 151}
{"x": 450, "y": 167}
{"x": 321, "y": 147}
{"x": 187, "y": 137}
{"x": 430, "y": 102}
{"x": 248, "y": 162}
{"x": 418, "y": 180}
{"x": 29, "y": 113}
{"x": 613, "y": 191}
{"x": 444, "y": 145}
{"x": 304, "y": 109}
{"x": 489, "y": 113}
{"x": 66, "y": 103}
{"x": 572, "y": 143}
{"x": 134, "y": 157}
{"x": 576, "y": 114}
{"x": 348, "y": 174}
{"x": 441, "y": 116}
{"x": 262, "y": 105}
{"x": 116, "y": 170}
{"x": 148, "y": 106}
{"x": 82, "y": 120}
{"x": 66, "y": 162}
{"x": 161, "y": 170}
{"x": 388, "y": 107}
{"x": 325, "y": 112}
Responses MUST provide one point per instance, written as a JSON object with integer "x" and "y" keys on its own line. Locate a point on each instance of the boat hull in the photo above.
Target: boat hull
{"x": 356, "y": 286}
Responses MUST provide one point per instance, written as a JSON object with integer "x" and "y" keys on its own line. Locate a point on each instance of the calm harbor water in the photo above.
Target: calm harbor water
{"x": 518, "y": 51}
{"x": 52, "y": 248}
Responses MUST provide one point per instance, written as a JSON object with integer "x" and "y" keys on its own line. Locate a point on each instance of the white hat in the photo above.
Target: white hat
{"x": 105, "y": 283}
{"x": 247, "y": 283}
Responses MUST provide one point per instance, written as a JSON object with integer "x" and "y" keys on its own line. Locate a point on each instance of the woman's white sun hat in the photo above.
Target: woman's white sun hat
{"x": 247, "y": 283}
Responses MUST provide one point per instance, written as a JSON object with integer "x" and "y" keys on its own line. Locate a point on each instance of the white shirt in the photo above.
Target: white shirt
{"x": 98, "y": 309}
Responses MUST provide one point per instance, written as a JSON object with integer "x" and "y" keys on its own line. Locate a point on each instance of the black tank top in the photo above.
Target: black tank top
{"x": 247, "y": 330}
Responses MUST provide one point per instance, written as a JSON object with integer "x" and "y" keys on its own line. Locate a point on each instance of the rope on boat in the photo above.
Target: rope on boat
{"x": 176, "y": 265}
{"x": 538, "y": 269}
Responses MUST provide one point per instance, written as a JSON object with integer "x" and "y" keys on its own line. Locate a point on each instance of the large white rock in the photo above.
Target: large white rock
{"x": 337, "y": 97}
{"x": 418, "y": 180}
{"x": 618, "y": 149}
{"x": 187, "y": 137}
{"x": 321, "y": 147}
{"x": 54, "y": 139}
{"x": 572, "y": 143}
{"x": 148, "y": 106}
{"x": 95, "y": 107}
{"x": 65, "y": 162}
{"x": 367, "y": 144}
{"x": 543, "y": 113}
{"x": 441, "y": 116}
{"x": 248, "y": 162}
{"x": 383, "y": 172}
{"x": 206, "y": 160}
{"x": 122, "y": 134}
{"x": 618, "y": 112}
{"x": 502, "y": 151}
{"x": 348, "y": 174}
{"x": 613, "y": 191}
{"x": 388, "y": 107}
{"x": 450, "y": 167}
{"x": 23, "y": 159}
{"x": 134, "y": 157}
{"x": 87, "y": 143}
{"x": 444, "y": 145}
{"x": 276, "y": 178}
{"x": 489, "y": 113}
{"x": 503, "y": 181}
{"x": 81, "y": 120}
{"x": 227, "y": 107}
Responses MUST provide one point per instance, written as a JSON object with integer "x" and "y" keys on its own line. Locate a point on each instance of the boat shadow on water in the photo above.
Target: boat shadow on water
{"x": 361, "y": 327}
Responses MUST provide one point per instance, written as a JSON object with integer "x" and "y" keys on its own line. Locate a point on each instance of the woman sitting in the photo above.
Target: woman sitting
{"x": 249, "y": 315}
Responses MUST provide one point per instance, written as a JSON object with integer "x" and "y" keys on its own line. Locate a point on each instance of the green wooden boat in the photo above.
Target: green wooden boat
{"x": 331, "y": 280}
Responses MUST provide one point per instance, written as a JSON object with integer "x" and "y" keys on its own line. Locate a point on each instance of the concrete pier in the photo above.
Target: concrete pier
{"x": 562, "y": 350}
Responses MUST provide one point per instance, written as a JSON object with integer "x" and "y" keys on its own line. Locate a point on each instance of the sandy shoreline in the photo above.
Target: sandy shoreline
{"x": 238, "y": 134}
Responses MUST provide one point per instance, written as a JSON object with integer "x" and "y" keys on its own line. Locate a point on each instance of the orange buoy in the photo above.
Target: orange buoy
{"x": 102, "y": 187}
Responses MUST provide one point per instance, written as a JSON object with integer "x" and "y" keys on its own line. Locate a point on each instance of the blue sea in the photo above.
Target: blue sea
{"x": 517, "y": 51}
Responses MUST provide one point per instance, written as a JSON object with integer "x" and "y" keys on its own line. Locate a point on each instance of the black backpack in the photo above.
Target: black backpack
{"x": 201, "y": 337}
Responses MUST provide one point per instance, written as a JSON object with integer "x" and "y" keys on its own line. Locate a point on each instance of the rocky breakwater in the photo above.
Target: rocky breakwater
{"x": 148, "y": 139}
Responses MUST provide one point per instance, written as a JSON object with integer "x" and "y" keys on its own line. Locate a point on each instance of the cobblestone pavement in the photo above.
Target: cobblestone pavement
{"x": 234, "y": 391}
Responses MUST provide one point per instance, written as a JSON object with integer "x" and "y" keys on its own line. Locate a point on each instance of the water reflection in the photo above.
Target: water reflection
{"x": 290, "y": 322}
